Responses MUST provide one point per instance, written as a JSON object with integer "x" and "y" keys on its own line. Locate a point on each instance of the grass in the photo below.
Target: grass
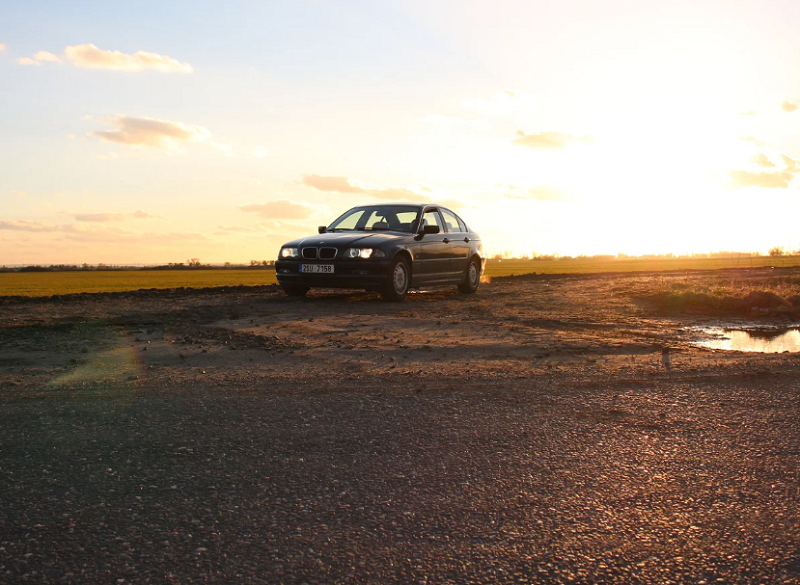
{"x": 38, "y": 284}
{"x": 594, "y": 265}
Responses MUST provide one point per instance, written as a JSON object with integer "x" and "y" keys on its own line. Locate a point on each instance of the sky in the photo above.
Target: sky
{"x": 155, "y": 132}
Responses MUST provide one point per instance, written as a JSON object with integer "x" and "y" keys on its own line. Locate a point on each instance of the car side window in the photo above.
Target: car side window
{"x": 451, "y": 220}
{"x": 431, "y": 217}
{"x": 463, "y": 226}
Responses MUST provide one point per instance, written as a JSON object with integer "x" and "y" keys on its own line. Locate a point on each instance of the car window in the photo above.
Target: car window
{"x": 451, "y": 220}
{"x": 377, "y": 220}
{"x": 349, "y": 222}
{"x": 463, "y": 226}
{"x": 432, "y": 218}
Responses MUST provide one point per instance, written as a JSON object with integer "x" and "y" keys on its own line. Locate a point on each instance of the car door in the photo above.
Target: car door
{"x": 457, "y": 244}
{"x": 433, "y": 251}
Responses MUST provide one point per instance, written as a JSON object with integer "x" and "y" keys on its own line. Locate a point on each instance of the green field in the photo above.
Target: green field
{"x": 594, "y": 265}
{"x": 38, "y": 284}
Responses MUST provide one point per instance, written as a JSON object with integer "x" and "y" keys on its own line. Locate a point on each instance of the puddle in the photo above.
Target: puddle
{"x": 757, "y": 340}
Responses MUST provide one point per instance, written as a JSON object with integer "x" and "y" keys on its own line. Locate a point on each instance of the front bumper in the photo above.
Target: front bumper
{"x": 358, "y": 273}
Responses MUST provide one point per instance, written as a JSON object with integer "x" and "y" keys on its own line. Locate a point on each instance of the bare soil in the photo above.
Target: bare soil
{"x": 531, "y": 433}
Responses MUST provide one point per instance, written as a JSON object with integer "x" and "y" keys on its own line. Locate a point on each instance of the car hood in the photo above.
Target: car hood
{"x": 348, "y": 239}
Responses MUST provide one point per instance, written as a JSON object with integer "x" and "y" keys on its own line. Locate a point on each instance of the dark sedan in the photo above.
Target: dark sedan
{"x": 389, "y": 248}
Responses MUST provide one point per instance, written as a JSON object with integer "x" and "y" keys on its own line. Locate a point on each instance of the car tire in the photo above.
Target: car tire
{"x": 399, "y": 280}
{"x": 472, "y": 277}
{"x": 296, "y": 291}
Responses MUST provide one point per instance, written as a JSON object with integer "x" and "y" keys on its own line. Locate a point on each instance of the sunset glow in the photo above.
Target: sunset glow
{"x": 154, "y": 133}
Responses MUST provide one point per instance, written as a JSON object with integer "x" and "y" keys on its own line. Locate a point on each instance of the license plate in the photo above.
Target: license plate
{"x": 317, "y": 268}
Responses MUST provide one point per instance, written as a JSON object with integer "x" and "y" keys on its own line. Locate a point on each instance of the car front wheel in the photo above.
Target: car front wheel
{"x": 472, "y": 278}
{"x": 399, "y": 279}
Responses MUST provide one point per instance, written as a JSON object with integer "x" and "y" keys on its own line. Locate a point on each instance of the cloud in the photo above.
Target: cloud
{"x": 32, "y": 226}
{"x": 396, "y": 194}
{"x": 2, "y": 47}
{"x": 761, "y": 160}
{"x": 45, "y": 56}
{"x": 540, "y": 193}
{"x": 776, "y": 180}
{"x": 260, "y": 151}
{"x": 790, "y": 106}
{"x": 792, "y": 166}
{"x": 109, "y": 217}
{"x": 90, "y": 57}
{"x": 281, "y": 209}
{"x": 748, "y": 113}
{"x": 20, "y": 194}
{"x": 154, "y": 133}
{"x": 502, "y": 102}
{"x": 548, "y": 140}
{"x": 331, "y": 184}
{"x": 753, "y": 140}
{"x": 345, "y": 185}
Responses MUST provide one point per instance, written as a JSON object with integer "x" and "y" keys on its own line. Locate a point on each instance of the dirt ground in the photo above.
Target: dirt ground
{"x": 530, "y": 433}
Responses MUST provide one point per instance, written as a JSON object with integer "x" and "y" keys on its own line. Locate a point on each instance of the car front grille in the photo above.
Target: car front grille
{"x": 321, "y": 253}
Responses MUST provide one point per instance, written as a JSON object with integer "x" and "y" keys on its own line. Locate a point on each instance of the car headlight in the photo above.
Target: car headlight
{"x": 364, "y": 253}
{"x": 289, "y": 253}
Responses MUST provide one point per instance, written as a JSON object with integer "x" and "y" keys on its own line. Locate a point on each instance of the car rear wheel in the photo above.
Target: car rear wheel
{"x": 296, "y": 291}
{"x": 472, "y": 278}
{"x": 399, "y": 279}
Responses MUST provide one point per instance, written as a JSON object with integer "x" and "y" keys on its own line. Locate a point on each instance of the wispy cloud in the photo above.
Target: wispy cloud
{"x": 20, "y": 194}
{"x": 156, "y": 133}
{"x": 31, "y": 226}
{"x": 539, "y": 193}
{"x": 548, "y": 140}
{"x": 790, "y": 106}
{"x": 502, "y": 102}
{"x": 345, "y": 185}
{"x": 77, "y": 233}
{"x": 109, "y": 217}
{"x": 89, "y": 56}
{"x": 2, "y": 47}
{"x": 775, "y": 180}
{"x": 281, "y": 209}
{"x": 761, "y": 160}
{"x": 754, "y": 140}
{"x": 792, "y": 165}
{"x": 45, "y": 56}
{"x": 331, "y": 184}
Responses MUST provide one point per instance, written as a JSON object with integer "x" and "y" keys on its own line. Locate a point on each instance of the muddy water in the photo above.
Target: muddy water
{"x": 756, "y": 340}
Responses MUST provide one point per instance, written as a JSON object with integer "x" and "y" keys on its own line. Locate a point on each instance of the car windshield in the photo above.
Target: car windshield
{"x": 374, "y": 218}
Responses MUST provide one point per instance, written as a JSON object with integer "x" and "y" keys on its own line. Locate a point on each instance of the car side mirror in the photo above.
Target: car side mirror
{"x": 427, "y": 229}
{"x": 322, "y": 229}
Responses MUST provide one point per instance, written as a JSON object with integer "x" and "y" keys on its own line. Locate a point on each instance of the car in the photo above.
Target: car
{"x": 388, "y": 248}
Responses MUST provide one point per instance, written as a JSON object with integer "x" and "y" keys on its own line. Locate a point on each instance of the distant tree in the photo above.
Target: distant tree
{"x": 776, "y": 251}
{"x": 193, "y": 262}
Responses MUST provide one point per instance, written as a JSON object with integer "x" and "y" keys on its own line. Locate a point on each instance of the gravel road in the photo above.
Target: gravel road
{"x": 526, "y": 434}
